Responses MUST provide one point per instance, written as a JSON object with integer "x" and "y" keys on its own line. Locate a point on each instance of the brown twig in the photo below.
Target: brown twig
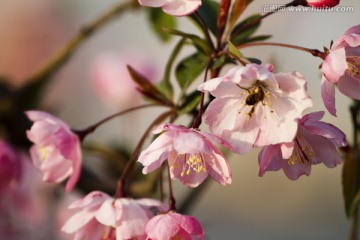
{"x": 62, "y": 55}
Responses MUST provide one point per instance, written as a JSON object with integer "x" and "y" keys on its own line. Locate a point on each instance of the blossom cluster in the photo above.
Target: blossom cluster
{"x": 250, "y": 106}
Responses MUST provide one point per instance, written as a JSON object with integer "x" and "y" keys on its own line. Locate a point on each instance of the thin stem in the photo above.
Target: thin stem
{"x": 120, "y": 191}
{"x": 62, "y": 55}
{"x": 197, "y": 120}
{"x": 83, "y": 133}
{"x": 314, "y": 52}
{"x": 171, "y": 195}
{"x": 206, "y": 30}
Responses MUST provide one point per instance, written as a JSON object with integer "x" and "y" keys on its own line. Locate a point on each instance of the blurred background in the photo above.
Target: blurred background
{"x": 252, "y": 207}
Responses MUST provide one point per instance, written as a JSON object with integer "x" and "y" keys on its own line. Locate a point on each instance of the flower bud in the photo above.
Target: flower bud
{"x": 322, "y": 3}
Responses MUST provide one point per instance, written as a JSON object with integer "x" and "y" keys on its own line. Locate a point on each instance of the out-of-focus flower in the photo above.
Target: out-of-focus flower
{"x": 315, "y": 143}
{"x": 26, "y": 210}
{"x": 101, "y": 216}
{"x": 255, "y": 107}
{"x": 111, "y": 79}
{"x": 23, "y": 49}
{"x": 322, "y": 3}
{"x": 174, "y": 7}
{"x": 173, "y": 225}
{"x": 190, "y": 153}
{"x": 56, "y": 150}
{"x": 10, "y": 167}
{"x": 341, "y": 67}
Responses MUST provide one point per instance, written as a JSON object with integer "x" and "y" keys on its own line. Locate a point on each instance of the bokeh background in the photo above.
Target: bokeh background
{"x": 252, "y": 207}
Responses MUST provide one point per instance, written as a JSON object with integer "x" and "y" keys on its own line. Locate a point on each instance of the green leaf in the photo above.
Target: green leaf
{"x": 208, "y": 11}
{"x": 255, "y": 39}
{"x": 238, "y": 8}
{"x": 160, "y": 20}
{"x": 198, "y": 42}
{"x": 190, "y": 103}
{"x": 190, "y": 68}
{"x": 165, "y": 85}
{"x": 350, "y": 176}
{"x": 247, "y": 32}
{"x": 236, "y": 52}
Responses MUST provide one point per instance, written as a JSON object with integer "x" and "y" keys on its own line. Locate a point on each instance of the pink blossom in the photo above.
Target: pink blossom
{"x": 315, "y": 143}
{"x": 103, "y": 216}
{"x": 173, "y": 225}
{"x": 174, "y": 7}
{"x": 191, "y": 156}
{"x": 255, "y": 107}
{"x": 112, "y": 82}
{"x": 10, "y": 167}
{"x": 322, "y": 3}
{"x": 341, "y": 67}
{"x": 56, "y": 150}
{"x": 83, "y": 223}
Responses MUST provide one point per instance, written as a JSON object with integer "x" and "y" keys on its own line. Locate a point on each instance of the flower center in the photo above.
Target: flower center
{"x": 302, "y": 153}
{"x": 353, "y": 66}
{"x": 255, "y": 94}
{"x": 108, "y": 233}
{"x": 190, "y": 162}
{"x": 44, "y": 152}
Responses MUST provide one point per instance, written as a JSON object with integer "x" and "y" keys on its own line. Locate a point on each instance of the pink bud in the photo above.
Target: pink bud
{"x": 322, "y": 3}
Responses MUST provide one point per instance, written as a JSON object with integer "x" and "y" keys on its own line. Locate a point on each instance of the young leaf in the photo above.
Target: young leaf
{"x": 222, "y": 18}
{"x": 236, "y": 52}
{"x": 247, "y": 32}
{"x": 208, "y": 12}
{"x": 198, "y": 42}
{"x": 255, "y": 39}
{"x": 238, "y": 8}
{"x": 160, "y": 20}
{"x": 146, "y": 87}
{"x": 190, "y": 103}
{"x": 190, "y": 68}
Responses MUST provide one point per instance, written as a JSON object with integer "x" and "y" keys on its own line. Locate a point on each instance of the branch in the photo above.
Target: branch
{"x": 61, "y": 56}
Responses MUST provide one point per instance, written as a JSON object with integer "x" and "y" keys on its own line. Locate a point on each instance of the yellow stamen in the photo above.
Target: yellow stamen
{"x": 190, "y": 162}
{"x": 44, "y": 152}
{"x": 353, "y": 66}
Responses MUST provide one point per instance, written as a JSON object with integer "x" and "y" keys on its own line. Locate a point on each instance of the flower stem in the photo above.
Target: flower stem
{"x": 120, "y": 191}
{"x": 83, "y": 133}
{"x": 197, "y": 120}
{"x": 172, "y": 201}
{"x": 62, "y": 55}
{"x": 314, "y": 52}
{"x": 206, "y": 30}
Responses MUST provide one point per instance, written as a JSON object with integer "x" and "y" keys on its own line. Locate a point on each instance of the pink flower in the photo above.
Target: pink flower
{"x": 174, "y": 7}
{"x": 341, "y": 67}
{"x": 56, "y": 150}
{"x": 10, "y": 167}
{"x": 173, "y": 225}
{"x": 103, "y": 216}
{"x": 322, "y": 3}
{"x": 315, "y": 143}
{"x": 255, "y": 107}
{"x": 83, "y": 223}
{"x": 111, "y": 79}
{"x": 191, "y": 156}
